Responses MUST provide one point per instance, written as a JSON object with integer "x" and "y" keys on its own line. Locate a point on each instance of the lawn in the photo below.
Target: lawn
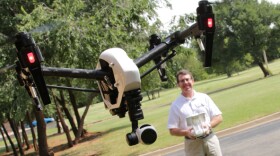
{"x": 243, "y": 97}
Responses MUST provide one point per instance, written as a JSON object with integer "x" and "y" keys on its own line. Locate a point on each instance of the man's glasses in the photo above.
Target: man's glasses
{"x": 183, "y": 80}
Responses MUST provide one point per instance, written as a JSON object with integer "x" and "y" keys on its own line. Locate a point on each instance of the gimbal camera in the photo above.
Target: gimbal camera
{"x": 118, "y": 76}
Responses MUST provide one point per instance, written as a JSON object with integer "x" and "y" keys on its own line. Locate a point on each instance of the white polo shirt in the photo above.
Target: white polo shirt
{"x": 182, "y": 108}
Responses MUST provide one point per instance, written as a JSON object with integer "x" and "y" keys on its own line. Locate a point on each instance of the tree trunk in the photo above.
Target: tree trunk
{"x": 16, "y": 124}
{"x": 63, "y": 124}
{"x": 42, "y": 135}
{"x": 67, "y": 113}
{"x": 34, "y": 140}
{"x": 10, "y": 140}
{"x": 65, "y": 127}
{"x": 158, "y": 91}
{"x": 265, "y": 71}
{"x": 148, "y": 94}
{"x": 76, "y": 111}
{"x": 24, "y": 135}
{"x": 74, "y": 105}
{"x": 58, "y": 124}
{"x": 228, "y": 71}
{"x": 3, "y": 136}
{"x": 16, "y": 134}
{"x": 153, "y": 94}
{"x": 81, "y": 128}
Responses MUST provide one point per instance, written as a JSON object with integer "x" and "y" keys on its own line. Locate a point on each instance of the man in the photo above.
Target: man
{"x": 190, "y": 103}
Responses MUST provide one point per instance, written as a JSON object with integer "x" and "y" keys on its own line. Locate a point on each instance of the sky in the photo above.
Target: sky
{"x": 180, "y": 7}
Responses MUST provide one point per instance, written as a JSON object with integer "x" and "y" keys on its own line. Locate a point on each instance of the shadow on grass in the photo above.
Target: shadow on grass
{"x": 234, "y": 86}
{"x": 61, "y": 147}
{"x": 209, "y": 81}
{"x": 89, "y": 136}
{"x": 116, "y": 129}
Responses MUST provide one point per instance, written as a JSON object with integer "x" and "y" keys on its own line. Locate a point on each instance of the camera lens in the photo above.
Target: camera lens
{"x": 131, "y": 139}
{"x": 149, "y": 136}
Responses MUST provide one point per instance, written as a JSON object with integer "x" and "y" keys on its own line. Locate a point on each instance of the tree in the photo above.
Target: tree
{"x": 10, "y": 140}
{"x": 41, "y": 131}
{"x": 81, "y": 124}
{"x": 7, "y": 107}
{"x": 34, "y": 140}
{"x": 4, "y": 139}
{"x": 24, "y": 135}
{"x": 14, "y": 127}
{"x": 244, "y": 28}
{"x": 63, "y": 124}
{"x": 67, "y": 112}
{"x": 9, "y": 10}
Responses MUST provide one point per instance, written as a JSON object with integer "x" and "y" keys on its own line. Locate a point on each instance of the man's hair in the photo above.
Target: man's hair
{"x": 183, "y": 72}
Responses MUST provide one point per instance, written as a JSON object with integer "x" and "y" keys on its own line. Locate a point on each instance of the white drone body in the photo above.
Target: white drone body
{"x": 126, "y": 75}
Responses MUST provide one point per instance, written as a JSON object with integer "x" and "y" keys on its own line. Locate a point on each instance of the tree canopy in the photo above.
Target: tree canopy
{"x": 244, "y": 30}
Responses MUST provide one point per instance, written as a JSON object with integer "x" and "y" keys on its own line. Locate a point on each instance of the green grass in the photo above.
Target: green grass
{"x": 249, "y": 101}
{"x": 256, "y": 97}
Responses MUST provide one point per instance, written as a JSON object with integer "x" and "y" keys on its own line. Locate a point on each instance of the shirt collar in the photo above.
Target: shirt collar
{"x": 194, "y": 96}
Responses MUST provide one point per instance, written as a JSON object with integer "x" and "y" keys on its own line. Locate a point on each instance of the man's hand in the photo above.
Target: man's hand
{"x": 207, "y": 128}
{"x": 182, "y": 132}
{"x": 190, "y": 134}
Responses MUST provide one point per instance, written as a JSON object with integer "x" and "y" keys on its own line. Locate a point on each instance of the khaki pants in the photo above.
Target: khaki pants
{"x": 208, "y": 146}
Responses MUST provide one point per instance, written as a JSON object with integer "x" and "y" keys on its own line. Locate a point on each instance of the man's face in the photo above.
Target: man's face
{"x": 185, "y": 82}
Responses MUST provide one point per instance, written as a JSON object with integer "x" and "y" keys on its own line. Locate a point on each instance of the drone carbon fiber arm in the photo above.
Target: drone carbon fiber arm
{"x": 205, "y": 26}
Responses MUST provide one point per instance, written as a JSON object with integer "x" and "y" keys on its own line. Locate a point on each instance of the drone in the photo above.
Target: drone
{"x": 118, "y": 76}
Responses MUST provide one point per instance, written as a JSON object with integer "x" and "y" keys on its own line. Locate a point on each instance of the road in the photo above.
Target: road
{"x": 258, "y": 138}
{"x": 258, "y": 141}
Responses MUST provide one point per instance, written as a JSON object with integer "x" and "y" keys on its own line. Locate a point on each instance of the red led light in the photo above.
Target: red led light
{"x": 210, "y": 22}
{"x": 31, "y": 57}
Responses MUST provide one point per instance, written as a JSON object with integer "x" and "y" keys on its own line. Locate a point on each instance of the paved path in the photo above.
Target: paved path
{"x": 259, "y": 136}
{"x": 259, "y": 141}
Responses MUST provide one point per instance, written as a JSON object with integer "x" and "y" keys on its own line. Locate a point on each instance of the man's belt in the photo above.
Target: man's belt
{"x": 201, "y": 137}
